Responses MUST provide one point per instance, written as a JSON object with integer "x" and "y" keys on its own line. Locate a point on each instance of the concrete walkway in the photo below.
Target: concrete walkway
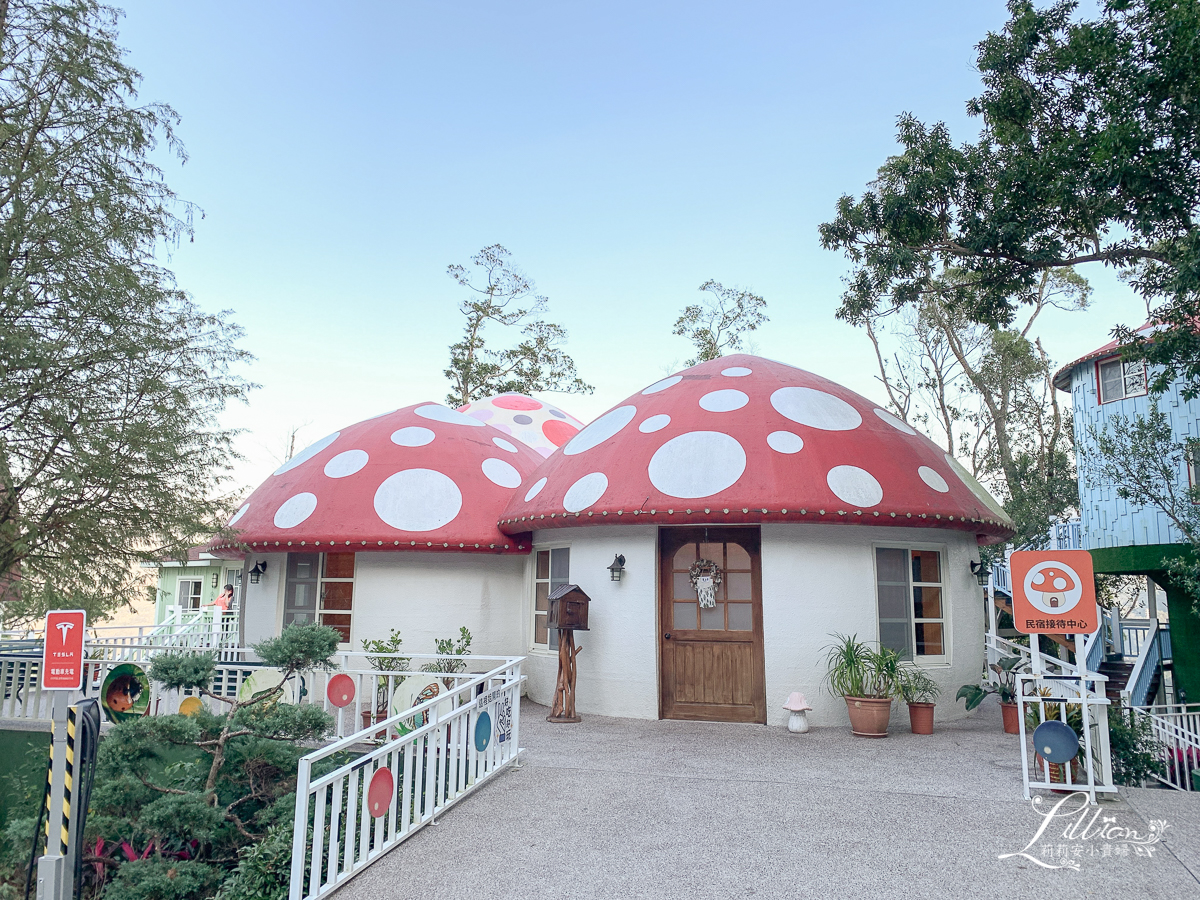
{"x": 630, "y": 808}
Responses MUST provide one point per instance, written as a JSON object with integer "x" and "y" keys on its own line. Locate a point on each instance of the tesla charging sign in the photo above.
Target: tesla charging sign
{"x": 62, "y": 652}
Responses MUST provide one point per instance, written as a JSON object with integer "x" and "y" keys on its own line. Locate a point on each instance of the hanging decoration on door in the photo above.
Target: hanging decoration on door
{"x": 706, "y": 578}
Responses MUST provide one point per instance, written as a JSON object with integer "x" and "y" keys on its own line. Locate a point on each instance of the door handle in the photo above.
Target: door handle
{"x": 667, "y": 636}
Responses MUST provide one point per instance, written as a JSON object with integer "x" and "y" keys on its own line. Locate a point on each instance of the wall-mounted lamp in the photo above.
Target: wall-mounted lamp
{"x": 981, "y": 571}
{"x": 257, "y": 572}
{"x": 216, "y": 579}
{"x": 617, "y": 567}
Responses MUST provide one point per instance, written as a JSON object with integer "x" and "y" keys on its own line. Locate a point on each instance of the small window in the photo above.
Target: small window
{"x": 911, "y": 602}
{"x": 1119, "y": 379}
{"x": 552, "y": 569}
{"x": 320, "y": 588}
{"x": 188, "y": 593}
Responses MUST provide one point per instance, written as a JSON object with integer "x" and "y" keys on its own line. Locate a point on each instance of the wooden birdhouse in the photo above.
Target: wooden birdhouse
{"x": 569, "y": 608}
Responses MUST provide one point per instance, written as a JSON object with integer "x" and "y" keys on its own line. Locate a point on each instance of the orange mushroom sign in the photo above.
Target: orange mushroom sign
{"x": 1053, "y": 592}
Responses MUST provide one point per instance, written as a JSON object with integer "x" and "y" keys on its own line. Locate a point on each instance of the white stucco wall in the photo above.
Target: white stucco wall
{"x": 618, "y": 666}
{"x": 425, "y": 595}
{"x": 817, "y": 580}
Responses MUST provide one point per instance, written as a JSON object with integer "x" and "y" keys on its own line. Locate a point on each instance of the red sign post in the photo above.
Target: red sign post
{"x": 62, "y": 651}
{"x": 1054, "y": 592}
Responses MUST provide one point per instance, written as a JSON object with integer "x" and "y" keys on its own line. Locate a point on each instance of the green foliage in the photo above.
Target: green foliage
{"x": 716, "y": 326}
{"x": 263, "y": 868}
{"x": 536, "y": 363}
{"x": 111, "y": 379}
{"x": 1007, "y": 669}
{"x": 854, "y": 669}
{"x": 300, "y": 648}
{"x": 450, "y": 647}
{"x": 1088, "y": 153}
{"x": 155, "y": 878}
{"x": 1136, "y": 755}
{"x": 188, "y": 671}
{"x": 392, "y": 644}
{"x": 915, "y": 685}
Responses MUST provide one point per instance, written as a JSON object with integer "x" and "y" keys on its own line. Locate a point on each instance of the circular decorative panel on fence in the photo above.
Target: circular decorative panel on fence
{"x": 340, "y": 690}
{"x": 380, "y": 792}
{"x": 483, "y": 731}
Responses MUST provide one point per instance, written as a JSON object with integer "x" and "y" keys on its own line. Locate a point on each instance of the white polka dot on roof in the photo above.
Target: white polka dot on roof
{"x": 933, "y": 479}
{"x": 601, "y": 430}
{"x": 584, "y": 492}
{"x": 655, "y": 423}
{"x": 308, "y": 453}
{"x": 723, "y": 401}
{"x": 505, "y": 445}
{"x": 816, "y": 409}
{"x": 295, "y": 510}
{"x": 736, "y": 372}
{"x": 785, "y": 442}
{"x": 697, "y": 464}
{"x": 238, "y": 515}
{"x": 855, "y": 486}
{"x": 418, "y": 500}
{"x": 663, "y": 385}
{"x": 535, "y": 490}
{"x": 346, "y": 463}
{"x": 501, "y": 473}
{"x": 437, "y": 413}
{"x": 896, "y": 422}
{"x": 412, "y": 436}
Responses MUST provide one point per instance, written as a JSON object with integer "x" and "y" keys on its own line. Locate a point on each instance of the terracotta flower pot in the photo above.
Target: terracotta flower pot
{"x": 1058, "y": 771}
{"x": 1012, "y": 721}
{"x": 920, "y": 716}
{"x": 869, "y": 715}
{"x": 369, "y": 718}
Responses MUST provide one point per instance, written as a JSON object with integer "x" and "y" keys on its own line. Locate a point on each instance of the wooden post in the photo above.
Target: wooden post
{"x": 564, "y": 690}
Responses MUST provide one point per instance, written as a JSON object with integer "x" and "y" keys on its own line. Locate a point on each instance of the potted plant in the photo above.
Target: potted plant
{"x": 1007, "y": 669}
{"x": 866, "y": 679}
{"x": 920, "y": 692}
{"x": 385, "y": 661}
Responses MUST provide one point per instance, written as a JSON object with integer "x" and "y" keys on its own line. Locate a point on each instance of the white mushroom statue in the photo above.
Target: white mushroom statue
{"x": 798, "y": 720}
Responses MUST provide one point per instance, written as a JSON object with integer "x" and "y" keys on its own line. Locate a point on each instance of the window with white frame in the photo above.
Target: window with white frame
{"x": 320, "y": 588}
{"x": 911, "y": 601}
{"x": 551, "y": 569}
{"x": 1120, "y": 379}
{"x": 188, "y": 592}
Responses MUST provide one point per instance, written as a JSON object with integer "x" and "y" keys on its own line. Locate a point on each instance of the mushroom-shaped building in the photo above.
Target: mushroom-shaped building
{"x": 750, "y": 470}
{"x": 389, "y": 523}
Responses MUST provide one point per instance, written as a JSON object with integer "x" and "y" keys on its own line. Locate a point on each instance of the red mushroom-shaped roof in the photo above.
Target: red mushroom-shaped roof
{"x": 535, "y": 423}
{"x": 420, "y": 478}
{"x": 1053, "y": 581}
{"x": 746, "y": 439}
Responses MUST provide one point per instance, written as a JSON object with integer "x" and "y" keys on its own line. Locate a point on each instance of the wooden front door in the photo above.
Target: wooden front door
{"x": 712, "y": 658}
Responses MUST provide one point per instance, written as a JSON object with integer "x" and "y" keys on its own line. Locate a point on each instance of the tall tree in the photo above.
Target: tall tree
{"x": 111, "y": 378}
{"x": 499, "y": 293}
{"x": 716, "y": 325}
{"x": 986, "y": 393}
{"x": 1089, "y": 153}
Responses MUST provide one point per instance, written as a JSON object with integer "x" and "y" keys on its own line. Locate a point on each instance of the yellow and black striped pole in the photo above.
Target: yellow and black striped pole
{"x": 68, "y": 784}
{"x": 52, "y": 881}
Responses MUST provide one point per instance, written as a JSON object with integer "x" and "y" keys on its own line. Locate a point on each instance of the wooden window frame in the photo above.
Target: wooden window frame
{"x": 1100, "y": 396}
{"x": 192, "y": 580}
{"x": 320, "y": 580}
{"x": 551, "y": 645}
{"x": 926, "y": 660}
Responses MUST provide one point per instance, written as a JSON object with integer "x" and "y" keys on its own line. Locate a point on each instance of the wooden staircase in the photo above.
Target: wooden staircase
{"x": 1118, "y": 670}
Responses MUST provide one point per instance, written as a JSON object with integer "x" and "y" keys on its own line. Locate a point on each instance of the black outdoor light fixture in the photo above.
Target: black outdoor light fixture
{"x": 981, "y": 571}
{"x": 617, "y": 567}
{"x": 257, "y": 572}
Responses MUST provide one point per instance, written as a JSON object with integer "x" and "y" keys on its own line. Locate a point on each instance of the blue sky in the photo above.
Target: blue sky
{"x": 344, "y": 154}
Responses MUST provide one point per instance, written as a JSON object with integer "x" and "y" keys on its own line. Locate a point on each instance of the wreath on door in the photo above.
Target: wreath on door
{"x": 706, "y": 578}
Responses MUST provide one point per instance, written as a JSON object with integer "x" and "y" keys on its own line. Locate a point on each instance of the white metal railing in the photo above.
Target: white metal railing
{"x": 1137, "y": 688}
{"x": 1176, "y": 728}
{"x": 368, "y": 804}
{"x": 1050, "y": 664}
{"x": 1085, "y": 709}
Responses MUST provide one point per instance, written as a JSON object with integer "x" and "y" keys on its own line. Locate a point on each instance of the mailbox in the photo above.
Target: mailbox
{"x": 569, "y": 608}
